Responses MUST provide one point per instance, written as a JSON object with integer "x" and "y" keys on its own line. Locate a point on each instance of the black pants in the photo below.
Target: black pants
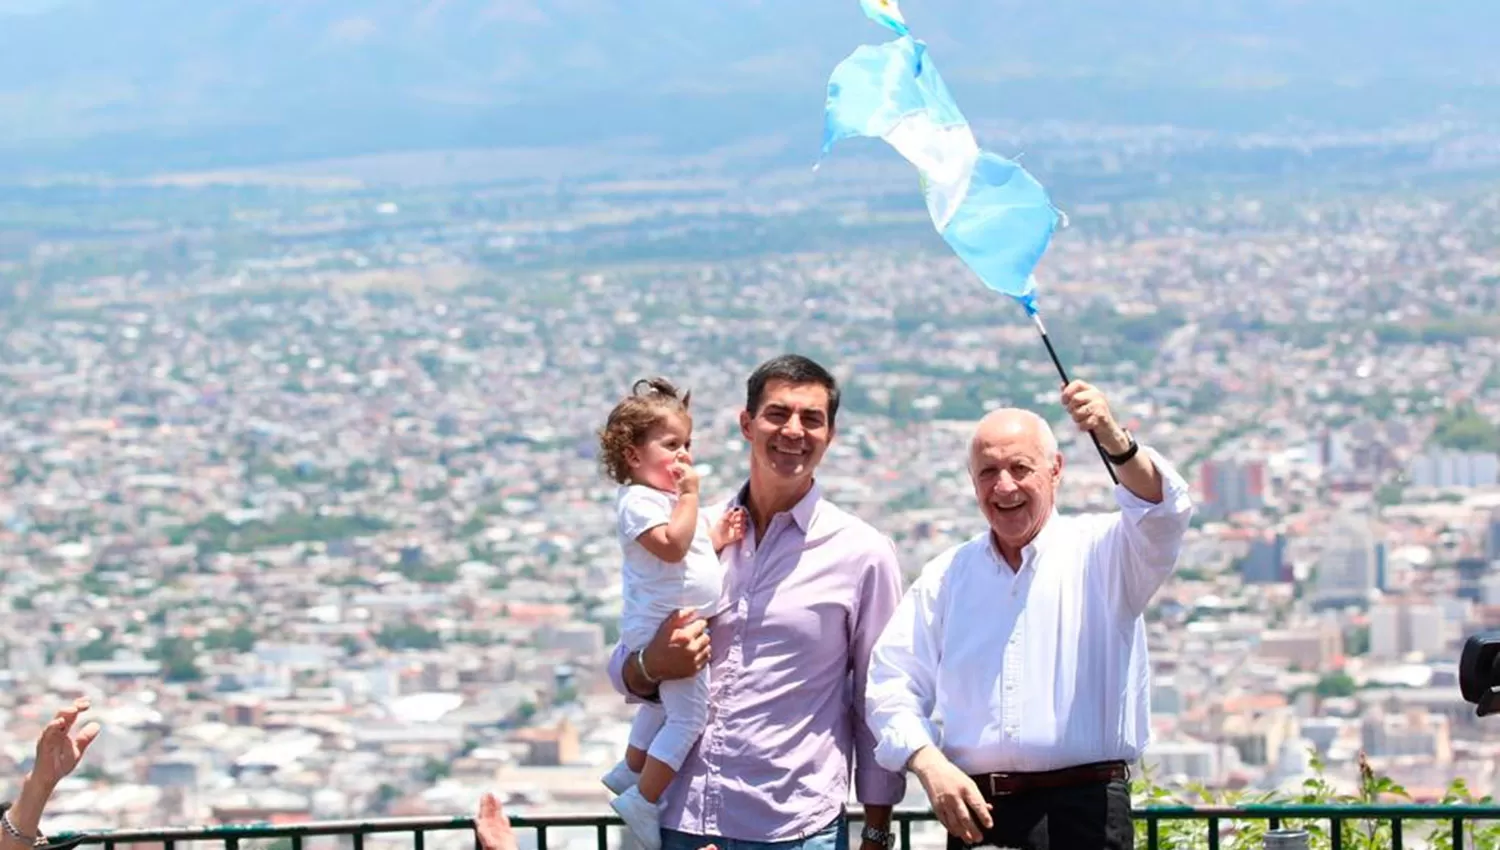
{"x": 1085, "y": 817}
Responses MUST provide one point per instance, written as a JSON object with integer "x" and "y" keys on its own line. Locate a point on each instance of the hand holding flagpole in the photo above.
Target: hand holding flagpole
{"x": 1062, "y": 373}
{"x": 994, "y": 215}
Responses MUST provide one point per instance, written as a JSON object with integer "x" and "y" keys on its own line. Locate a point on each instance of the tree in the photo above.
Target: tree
{"x": 179, "y": 659}
{"x": 524, "y": 712}
{"x": 1465, "y": 429}
{"x": 407, "y": 636}
{"x": 1357, "y": 640}
{"x": 1338, "y": 684}
{"x": 101, "y": 648}
{"x": 434, "y": 769}
{"x": 240, "y": 639}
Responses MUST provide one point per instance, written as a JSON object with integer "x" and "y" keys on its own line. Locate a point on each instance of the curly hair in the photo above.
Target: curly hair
{"x": 651, "y": 400}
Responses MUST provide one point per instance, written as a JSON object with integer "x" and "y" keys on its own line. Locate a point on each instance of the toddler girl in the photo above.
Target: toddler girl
{"x": 671, "y": 562}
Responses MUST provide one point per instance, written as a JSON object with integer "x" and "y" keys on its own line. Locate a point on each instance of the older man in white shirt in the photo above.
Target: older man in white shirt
{"x": 1013, "y": 679}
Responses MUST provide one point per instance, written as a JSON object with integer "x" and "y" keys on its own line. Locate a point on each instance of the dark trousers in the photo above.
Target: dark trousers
{"x": 1095, "y": 816}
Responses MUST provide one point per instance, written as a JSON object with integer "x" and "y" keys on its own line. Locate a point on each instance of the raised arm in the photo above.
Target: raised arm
{"x": 1155, "y": 508}
{"x": 1090, "y": 410}
{"x": 58, "y": 752}
{"x": 662, "y": 528}
{"x": 1148, "y": 536}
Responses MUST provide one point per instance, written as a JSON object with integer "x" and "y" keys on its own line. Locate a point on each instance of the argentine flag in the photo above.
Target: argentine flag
{"x": 886, "y": 13}
{"x": 994, "y": 214}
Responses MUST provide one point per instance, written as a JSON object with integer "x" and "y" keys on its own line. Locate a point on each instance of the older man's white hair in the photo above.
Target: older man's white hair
{"x": 1016, "y": 415}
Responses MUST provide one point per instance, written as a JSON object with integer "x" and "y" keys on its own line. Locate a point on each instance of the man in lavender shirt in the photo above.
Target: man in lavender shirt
{"x": 807, "y": 593}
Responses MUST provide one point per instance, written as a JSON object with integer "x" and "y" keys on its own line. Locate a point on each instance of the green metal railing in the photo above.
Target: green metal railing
{"x": 1214, "y": 819}
{"x": 1396, "y": 816}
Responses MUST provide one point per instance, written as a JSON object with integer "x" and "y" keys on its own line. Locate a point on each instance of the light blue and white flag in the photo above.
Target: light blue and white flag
{"x": 886, "y": 13}
{"x": 989, "y": 209}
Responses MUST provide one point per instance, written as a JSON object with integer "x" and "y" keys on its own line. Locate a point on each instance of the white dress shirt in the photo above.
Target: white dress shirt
{"x": 1033, "y": 669}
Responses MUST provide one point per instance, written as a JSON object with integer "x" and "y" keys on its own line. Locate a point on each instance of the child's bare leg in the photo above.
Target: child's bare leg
{"x": 635, "y": 759}
{"x": 655, "y": 778}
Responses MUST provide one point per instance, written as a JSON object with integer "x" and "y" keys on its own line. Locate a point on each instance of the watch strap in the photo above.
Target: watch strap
{"x": 1126, "y": 456}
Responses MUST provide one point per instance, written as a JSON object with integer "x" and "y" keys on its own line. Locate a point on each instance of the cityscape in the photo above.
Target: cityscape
{"x": 297, "y": 463}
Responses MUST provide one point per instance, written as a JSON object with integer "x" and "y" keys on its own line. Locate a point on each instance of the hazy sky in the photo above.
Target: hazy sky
{"x": 91, "y": 83}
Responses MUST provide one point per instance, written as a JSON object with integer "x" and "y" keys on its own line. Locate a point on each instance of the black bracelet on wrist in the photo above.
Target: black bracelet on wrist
{"x": 1124, "y": 457}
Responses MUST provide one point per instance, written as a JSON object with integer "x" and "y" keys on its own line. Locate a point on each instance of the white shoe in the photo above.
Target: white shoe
{"x": 620, "y": 778}
{"x": 643, "y": 818}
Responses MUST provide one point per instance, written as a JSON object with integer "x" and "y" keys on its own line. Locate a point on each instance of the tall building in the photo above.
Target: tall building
{"x": 1492, "y": 537}
{"x": 1232, "y": 486}
{"x": 1313, "y": 647}
{"x": 1414, "y": 732}
{"x": 1471, "y": 574}
{"x": 1334, "y": 454}
{"x": 1446, "y": 468}
{"x": 1346, "y": 568}
{"x": 1401, "y": 626}
{"x": 1266, "y": 562}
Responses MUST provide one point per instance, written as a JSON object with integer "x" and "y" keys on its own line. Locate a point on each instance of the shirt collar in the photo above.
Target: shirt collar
{"x": 802, "y": 512}
{"x": 1031, "y": 551}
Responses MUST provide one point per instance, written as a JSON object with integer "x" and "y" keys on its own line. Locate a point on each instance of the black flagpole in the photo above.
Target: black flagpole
{"x": 1063, "y": 373}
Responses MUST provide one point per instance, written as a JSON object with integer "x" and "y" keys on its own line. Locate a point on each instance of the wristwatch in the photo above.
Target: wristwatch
{"x": 879, "y": 836}
{"x": 1124, "y": 457}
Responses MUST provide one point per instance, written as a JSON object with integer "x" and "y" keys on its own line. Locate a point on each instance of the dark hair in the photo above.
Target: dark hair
{"x": 650, "y": 401}
{"x": 794, "y": 369}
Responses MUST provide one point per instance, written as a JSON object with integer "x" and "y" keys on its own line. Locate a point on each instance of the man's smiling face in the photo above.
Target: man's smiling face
{"x": 1015, "y": 470}
{"x": 790, "y": 431}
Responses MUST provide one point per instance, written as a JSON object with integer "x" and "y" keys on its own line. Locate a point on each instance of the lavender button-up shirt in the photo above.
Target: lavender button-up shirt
{"x": 802, "y": 610}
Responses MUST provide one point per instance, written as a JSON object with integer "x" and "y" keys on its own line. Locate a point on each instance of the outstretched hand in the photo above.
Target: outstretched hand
{"x": 58, "y": 751}
{"x": 492, "y": 826}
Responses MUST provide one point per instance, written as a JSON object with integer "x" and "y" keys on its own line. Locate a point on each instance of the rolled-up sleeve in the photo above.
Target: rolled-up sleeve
{"x": 1150, "y": 535}
{"x": 875, "y": 783}
{"x": 617, "y": 669}
{"x": 902, "y": 687}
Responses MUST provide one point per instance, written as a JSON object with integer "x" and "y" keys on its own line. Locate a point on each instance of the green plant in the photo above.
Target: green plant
{"x": 1355, "y": 834}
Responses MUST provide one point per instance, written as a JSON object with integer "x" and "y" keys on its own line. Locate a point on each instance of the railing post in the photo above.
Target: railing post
{"x": 1287, "y": 839}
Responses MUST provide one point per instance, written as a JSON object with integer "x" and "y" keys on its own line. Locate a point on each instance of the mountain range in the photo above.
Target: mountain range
{"x": 105, "y": 84}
